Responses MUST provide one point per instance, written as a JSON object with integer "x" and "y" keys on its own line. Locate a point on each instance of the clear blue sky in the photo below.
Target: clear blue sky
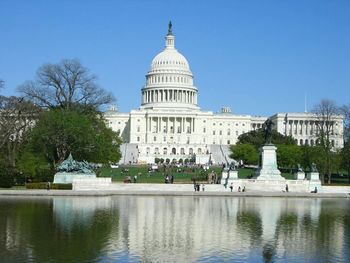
{"x": 258, "y": 57}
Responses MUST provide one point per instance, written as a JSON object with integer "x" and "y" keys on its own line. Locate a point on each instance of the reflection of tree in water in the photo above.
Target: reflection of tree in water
{"x": 286, "y": 228}
{"x": 329, "y": 230}
{"x": 250, "y": 222}
{"x": 268, "y": 252}
{"x": 50, "y": 241}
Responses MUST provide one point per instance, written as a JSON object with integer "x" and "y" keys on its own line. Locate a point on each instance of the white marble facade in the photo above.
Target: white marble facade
{"x": 170, "y": 124}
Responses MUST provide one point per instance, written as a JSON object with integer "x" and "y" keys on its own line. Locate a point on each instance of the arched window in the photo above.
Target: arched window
{"x": 165, "y": 151}
{"x": 173, "y": 150}
{"x": 229, "y": 132}
{"x": 147, "y": 150}
{"x": 190, "y": 151}
{"x": 182, "y": 151}
{"x": 156, "y": 150}
{"x": 301, "y": 141}
{"x": 199, "y": 151}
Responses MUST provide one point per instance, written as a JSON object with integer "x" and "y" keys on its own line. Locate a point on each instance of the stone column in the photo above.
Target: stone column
{"x": 167, "y": 125}
{"x": 160, "y": 124}
{"x": 306, "y": 127}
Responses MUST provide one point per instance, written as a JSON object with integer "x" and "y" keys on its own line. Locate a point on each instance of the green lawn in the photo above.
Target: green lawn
{"x": 183, "y": 176}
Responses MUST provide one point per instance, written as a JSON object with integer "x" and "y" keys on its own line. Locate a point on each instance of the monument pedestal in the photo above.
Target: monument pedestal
{"x": 313, "y": 176}
{"x": 268, "y": 164}
{"x": 227, "y": 177}
{"x": 299, "y": 176}
{"x": 67, "y": 178}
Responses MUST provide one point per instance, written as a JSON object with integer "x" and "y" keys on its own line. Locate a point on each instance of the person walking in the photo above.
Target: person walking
{"x": 231, "y": 186}
{"x": 135, "y": 178}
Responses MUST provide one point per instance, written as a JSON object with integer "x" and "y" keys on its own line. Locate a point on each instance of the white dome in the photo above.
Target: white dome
{"x": 170, "y": 59}
{"x": 169, "y": 82}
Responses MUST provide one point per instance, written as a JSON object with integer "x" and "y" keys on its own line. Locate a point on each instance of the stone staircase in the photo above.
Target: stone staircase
{"x": 220, "y": 154}
{"x": 129, "y": 153}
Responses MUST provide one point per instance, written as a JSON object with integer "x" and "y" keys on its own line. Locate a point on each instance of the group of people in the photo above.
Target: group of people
{"x": 169, "y": 179}
{"x": 239, "y": 188}
{"x": 197, "y": 187}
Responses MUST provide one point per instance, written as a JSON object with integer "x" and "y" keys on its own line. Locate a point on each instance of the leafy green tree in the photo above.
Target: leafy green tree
{"x": 245, "y": 152}
{"x": 288, "y": 156}
{"x": 257, "y": 139}
{"x": 314, "y": 154}
{"x": 61, "y": 132}
{"x": 345, "y": 158}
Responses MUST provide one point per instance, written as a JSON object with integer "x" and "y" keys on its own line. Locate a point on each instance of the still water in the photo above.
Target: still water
{"x": 174, "y": 229}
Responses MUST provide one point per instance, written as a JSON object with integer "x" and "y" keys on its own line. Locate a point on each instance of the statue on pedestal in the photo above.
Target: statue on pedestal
{"x": 267, "y": 126}
{"x": 70, "y": 165}
{"x": 70, "y": 169}
{"x": 299, "y": 168}
{"x": 314, "y": 168}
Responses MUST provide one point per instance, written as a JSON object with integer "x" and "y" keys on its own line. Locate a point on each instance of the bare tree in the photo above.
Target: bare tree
{"x": 325, "y": 113}
{"x": 64, "y": 85}
{"x": 17, "y": 117}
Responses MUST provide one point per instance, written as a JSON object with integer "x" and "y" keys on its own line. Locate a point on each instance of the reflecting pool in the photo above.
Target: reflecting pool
{"x": 174, "y": 229}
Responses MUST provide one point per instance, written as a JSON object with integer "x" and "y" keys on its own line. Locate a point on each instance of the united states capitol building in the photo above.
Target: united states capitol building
{"x": 169, "y": 124}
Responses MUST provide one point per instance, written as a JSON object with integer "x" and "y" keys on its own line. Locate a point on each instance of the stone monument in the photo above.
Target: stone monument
{"x": 268, "y": 161}
{"x": 299, "y": 175}
{"x": 314, "y": 179}
{"x": 70, "y": 169}
{"x": 313, "y": 175}
{"x": 228, "y": 174}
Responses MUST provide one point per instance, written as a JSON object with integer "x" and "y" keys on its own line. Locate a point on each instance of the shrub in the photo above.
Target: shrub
{"x": 6, "y": 176}
{"x": 43, "y": 185}
{"x": 6, "y": 180}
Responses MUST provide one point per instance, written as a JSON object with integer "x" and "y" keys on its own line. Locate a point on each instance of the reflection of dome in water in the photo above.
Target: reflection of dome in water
{"x": 169, "y": 83}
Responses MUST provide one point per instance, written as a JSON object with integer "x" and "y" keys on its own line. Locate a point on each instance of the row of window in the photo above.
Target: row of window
{"x": 167, "y": 79}
{"x": 312, "y": 142}
{"x": 311, "y": 132}
{"x": 170, "y": 62}
{"x": 242, "y": 124}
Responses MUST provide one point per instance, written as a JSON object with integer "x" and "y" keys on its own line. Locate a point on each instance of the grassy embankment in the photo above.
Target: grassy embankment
{"x": 181, "y": 175}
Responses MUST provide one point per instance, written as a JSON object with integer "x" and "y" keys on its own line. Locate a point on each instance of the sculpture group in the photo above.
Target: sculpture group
{"x": 70, "y": 165}
{"x": 70, "y": 169}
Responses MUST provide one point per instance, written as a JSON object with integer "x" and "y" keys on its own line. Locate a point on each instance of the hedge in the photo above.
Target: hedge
{"x": 52, "y": 186}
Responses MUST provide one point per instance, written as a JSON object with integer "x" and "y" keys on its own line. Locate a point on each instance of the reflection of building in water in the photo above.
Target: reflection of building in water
{"x": 184, "y": 229}
{"x": 70, "y": 210}
{"x": 181, "y": 229}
